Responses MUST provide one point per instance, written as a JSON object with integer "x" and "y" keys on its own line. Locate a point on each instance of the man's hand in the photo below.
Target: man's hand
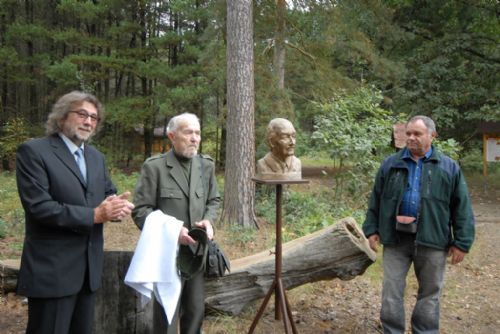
{"x": 374, "y": 241}
{"x": 456, "y": 254}
{"x": 185, "y": 238}
{"x": 205, "y": 224}
{"x": 113, "y": 208}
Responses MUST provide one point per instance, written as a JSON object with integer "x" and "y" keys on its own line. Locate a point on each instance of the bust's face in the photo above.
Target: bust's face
{"x": 283, "y": 143}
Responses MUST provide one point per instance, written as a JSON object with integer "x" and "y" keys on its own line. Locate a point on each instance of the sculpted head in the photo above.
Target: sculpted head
{"x": 280, "y": 137}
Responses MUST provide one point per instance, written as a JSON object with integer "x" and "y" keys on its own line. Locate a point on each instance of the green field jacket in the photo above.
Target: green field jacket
{"x": 445, "y": 216}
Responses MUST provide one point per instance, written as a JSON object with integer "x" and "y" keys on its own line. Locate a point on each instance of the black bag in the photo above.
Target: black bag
{"x": 406, "y": 227}
{"x": 217, "y": 261}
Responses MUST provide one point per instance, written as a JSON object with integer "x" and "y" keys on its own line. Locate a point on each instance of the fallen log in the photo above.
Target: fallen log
{"x": 338, "y": 251}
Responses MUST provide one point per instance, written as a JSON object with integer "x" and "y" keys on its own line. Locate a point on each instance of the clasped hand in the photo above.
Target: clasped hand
{"x": 113, "y": 208}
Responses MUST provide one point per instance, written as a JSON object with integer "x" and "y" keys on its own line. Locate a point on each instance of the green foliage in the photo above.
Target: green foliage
{"x": 240, "y": 235}
{"x": 304, "y": 213}
{"x": 124, "y": 182}
{"x": 356, "y": 132}
{"x": 450, "y": 147}
{"x": 64, "y": 73}
{"x": 14, "y": 133}
{"x": 451, "y": 56}
{"x": 471, "y": 162}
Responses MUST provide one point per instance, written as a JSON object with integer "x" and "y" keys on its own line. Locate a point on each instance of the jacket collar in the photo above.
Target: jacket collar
{"x": 62, "y": 151}
{"x": 178, "y": 175}
{"x": 432, "y": 154}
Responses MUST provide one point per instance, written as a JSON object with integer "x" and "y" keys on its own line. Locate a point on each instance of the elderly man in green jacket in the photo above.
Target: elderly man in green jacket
{"x": 182, "y": 184}
{"x": 421, "y": 212}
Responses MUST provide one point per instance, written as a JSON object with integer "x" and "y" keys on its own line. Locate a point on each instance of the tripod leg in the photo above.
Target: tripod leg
{"x": 284, "y": 307}
{"x": 289, "y": 310}
{"x": 262, "y": 307}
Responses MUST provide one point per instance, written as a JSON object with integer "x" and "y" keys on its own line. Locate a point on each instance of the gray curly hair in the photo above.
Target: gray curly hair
{"x": 65, "y": 104}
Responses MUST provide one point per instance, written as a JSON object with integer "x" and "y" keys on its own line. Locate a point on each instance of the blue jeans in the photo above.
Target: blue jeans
{"x": 429, "y": 265}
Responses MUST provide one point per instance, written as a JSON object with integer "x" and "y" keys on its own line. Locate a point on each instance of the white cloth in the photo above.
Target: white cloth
{"x": 153, "y": 267}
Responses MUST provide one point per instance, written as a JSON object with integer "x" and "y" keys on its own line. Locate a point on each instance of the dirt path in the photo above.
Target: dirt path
{"x": 470, "y": 303}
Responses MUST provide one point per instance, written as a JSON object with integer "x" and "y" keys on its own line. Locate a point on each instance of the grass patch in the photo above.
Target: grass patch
{"x": 317, "y": 161}
{"x": 11, "y": 212}
{"x": 375, "y": 272}
{"x": 492, "y": 181}
{"x": 124, "y": 182}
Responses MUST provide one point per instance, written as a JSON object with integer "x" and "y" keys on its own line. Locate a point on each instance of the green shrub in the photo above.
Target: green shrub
{"x": 450, "y": 147}
{"x": 357, "y": 133}
{"x": 304, "y": 213}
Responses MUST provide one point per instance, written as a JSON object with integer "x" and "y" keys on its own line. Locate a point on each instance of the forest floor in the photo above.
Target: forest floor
{"x": 470, "y": 301}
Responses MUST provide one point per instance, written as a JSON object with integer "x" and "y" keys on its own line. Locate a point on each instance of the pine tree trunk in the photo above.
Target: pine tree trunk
{"x": 239, "y": 190}
{"x": 279, "y": 44}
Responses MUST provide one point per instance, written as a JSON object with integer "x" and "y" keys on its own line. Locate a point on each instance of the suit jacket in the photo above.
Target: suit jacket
{"x": 162, "y": 185}
{"x": 62, "y": 244}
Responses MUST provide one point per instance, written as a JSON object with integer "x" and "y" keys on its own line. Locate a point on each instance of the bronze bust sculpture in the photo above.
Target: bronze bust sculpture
{"x": 280, "y": 163}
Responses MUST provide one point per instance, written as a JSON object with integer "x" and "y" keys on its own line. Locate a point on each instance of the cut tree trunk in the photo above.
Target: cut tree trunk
{"x": 8, "y": 274}
{"x": 338, "y": 251}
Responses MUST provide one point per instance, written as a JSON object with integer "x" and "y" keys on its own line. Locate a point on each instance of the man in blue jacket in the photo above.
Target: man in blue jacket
{"x": 420, "y": 211}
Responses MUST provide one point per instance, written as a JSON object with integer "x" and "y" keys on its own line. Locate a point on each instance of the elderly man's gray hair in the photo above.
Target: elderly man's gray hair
{"x": 174, "y": 122}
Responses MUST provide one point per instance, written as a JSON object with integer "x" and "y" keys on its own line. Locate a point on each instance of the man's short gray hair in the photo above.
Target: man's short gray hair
{"x": 174, "y": 122}
{"x": 428, "y": 122}
{"x": 65, "y": 104}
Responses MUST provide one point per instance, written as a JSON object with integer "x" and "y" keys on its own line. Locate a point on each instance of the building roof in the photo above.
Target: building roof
{"x": 159, "y": 132}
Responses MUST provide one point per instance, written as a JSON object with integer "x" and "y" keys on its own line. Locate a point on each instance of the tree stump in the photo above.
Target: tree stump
{"x": 9, "y": 270}
{"x": 118, "y": 308}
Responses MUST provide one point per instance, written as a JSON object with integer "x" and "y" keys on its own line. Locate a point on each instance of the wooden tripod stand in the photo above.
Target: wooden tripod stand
{"x": 282, "y": 308}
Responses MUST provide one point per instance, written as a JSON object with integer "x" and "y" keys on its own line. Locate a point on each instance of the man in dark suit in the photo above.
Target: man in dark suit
{"x": 182, "y": 184}
{"x": 65, "y": 206}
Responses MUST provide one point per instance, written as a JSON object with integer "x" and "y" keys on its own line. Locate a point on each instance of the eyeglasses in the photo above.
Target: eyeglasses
{"x": 83, "y": 114}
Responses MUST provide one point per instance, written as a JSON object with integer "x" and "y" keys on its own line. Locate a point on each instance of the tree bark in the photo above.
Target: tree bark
{"x": 239, "y": 190}
{"x": 279, "y": 44}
